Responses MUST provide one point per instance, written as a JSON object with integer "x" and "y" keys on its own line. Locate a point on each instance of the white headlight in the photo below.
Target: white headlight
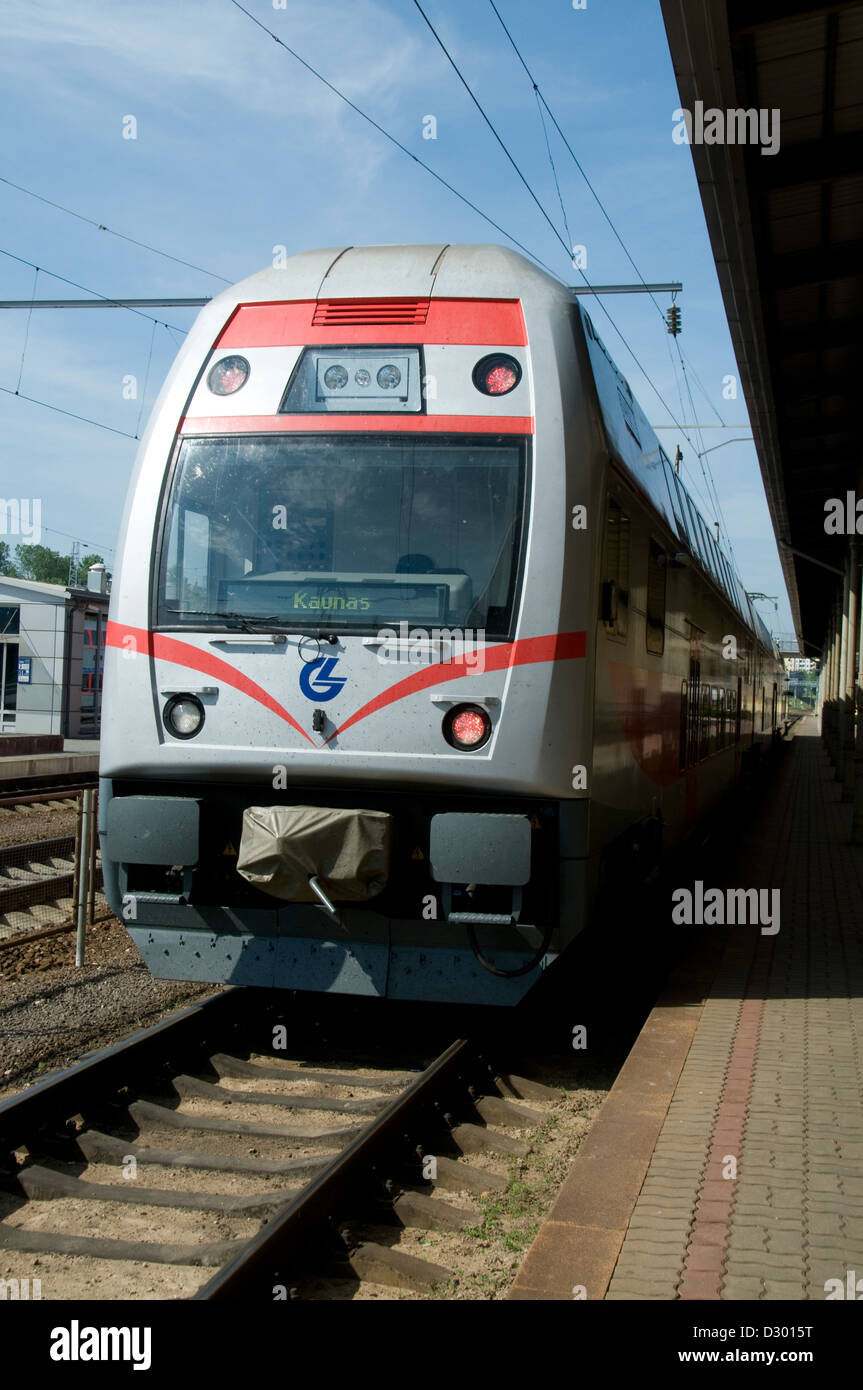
{"x": 183, "y": 716}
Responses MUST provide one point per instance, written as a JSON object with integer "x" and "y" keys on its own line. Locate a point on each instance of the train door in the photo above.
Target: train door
{"x": 738, "y": 713}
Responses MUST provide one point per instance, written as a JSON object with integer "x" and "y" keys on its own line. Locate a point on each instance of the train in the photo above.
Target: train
{"x": 417, "y": 641}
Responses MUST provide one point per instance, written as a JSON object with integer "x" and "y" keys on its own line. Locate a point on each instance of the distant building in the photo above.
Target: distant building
{"x": 52, "y": 641}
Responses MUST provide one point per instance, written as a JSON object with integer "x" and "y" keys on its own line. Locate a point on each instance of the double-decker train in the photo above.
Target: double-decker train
{"x": 416, "y": 637}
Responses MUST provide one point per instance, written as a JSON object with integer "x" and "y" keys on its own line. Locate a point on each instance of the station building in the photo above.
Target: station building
{"x": 52, "y": 640}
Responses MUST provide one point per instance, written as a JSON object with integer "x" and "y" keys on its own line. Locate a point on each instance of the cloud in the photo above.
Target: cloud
{"x": 202, "y": 43}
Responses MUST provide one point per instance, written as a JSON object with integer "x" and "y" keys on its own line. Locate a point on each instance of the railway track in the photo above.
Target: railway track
{"x": 16, "y": 790}
{"x": 37, "y": 873}
{"x": 194, "y": 1160}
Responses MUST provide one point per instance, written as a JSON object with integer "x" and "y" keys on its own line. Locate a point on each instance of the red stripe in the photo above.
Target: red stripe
{"x": 557, "y": 646}
{"x": 306, "y": 424}
{"x": 184, "y": 654}
{"x": 472, "y": 322}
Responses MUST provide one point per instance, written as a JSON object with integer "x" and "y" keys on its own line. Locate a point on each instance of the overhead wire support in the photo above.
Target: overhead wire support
{"x": 99, "y": 298}
{"x": 105, "y": 303}
{"x": 672, "y": 285}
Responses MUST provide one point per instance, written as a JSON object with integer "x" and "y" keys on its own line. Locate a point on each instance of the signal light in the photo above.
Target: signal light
{"x": 672, "y": 318}
{"x": 228, "y": 375}
{"x": 467, "y": 727}
{"x": 497, "y": 374}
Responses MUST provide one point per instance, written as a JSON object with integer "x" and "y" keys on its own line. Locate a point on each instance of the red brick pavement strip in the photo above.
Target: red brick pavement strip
{"x": 703, "y": 1271}
{"x": 708, "y": 1239}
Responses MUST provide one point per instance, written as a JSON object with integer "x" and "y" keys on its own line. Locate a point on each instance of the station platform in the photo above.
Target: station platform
{"x": 727, "y": 1160}
{"x": 79, "y": 756}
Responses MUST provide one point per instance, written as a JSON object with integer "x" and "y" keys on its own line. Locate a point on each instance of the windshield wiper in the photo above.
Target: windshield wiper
{"x": 241, "y": 620}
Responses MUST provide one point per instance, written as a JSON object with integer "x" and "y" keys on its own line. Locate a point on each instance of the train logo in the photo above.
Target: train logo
{"x": 324, "y": 685}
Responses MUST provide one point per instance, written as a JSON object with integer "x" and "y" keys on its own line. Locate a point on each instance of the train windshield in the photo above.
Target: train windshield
{"x": 344, "y": 532}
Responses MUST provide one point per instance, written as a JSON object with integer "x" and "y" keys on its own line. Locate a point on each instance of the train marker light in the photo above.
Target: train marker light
{"x": 228, "y": 375}
{"x": 497, "y": 374}
{"x": 467, "y": 727}
{"x": 183, "y": 716}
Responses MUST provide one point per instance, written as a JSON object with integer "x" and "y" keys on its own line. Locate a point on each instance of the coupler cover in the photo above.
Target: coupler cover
{"x": 348, "y": 852}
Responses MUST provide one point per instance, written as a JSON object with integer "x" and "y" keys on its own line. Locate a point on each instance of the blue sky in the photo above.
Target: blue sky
{"x": 238, "y": 150}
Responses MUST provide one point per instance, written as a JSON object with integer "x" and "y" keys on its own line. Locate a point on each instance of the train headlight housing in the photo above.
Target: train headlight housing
{"x": 356, "y": 380}
{"x": 183, "y": 716}
{"x": 228, "y": 375}
{"x": 497, "y": 374}
{"x": 467, "y": 727}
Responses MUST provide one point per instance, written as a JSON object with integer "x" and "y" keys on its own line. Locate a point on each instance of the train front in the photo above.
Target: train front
{"x": 345, "y": 677}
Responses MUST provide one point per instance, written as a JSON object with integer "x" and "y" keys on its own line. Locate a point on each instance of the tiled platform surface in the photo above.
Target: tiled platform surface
{"x": 727, "y": 1161}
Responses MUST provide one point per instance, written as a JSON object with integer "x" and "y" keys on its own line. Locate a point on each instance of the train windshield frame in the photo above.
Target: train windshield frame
{"x": 342, "y": 532}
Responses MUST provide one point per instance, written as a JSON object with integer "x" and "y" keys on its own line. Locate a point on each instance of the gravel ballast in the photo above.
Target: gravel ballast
{"x": 52, "y": 1013}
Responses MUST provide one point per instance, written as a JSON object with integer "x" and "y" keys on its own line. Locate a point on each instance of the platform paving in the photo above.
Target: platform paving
{"x": 727, "y": 1160}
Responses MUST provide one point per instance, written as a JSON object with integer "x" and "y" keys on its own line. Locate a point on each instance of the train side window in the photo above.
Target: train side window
{"x": 720, "y": 743}
{"x": 763, "y": 706}
{"x": 705, "y": 722}
{"x": 654, "y": 630}
{"x": 738, "y": 699}
{"x": 615, "y": 571}
{"x": 684, "y": 723}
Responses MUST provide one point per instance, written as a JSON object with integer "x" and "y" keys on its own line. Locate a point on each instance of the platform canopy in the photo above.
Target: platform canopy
{"x": 787, "y": 235}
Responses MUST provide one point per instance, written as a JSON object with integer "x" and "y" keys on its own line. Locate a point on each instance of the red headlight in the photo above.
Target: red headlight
{"x": 467, "y": 726}
{"x": 228, "y": 375}
{"x": 497, "y": 374}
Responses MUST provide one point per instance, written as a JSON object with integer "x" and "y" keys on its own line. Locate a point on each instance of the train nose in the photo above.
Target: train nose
{"x": 307, "y": 854}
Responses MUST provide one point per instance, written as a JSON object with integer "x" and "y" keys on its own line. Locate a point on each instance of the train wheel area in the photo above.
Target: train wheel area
{"x": 725, "y": 1162}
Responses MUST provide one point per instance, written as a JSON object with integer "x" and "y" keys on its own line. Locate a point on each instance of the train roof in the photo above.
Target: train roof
{"x": 440, "y": 270}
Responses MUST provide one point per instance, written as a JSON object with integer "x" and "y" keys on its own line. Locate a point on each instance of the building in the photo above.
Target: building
{"x": 52, "y": 640}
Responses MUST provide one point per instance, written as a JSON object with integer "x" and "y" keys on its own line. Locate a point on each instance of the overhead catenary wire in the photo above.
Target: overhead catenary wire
{"x": 683, "y": 361}
{"x": 85, "y": 419}
{"x": 554, "y": 173}
{"x": 26, "y": 332}
{"x": 54, "y": 532}
{"x": 454, "y": 65}
{"x": 501, "y": 142}
{"x": 101, "y": 227}
{"x": 391, "y": 138}
{"x": 146, "y": 380}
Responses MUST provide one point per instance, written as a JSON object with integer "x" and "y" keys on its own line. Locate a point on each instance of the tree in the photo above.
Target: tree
{"x": 42, "y": 564}
{"x": 7, "y": 565}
